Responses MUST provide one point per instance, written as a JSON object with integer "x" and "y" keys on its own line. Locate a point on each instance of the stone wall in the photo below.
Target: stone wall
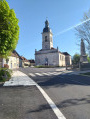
{"x": 53, "y": 59}
{"x": 85, "y": 66}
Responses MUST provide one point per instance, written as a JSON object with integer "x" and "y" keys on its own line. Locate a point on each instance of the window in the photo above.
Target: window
{"x": 45, "y": 38}
{"x": 7, "y": 60}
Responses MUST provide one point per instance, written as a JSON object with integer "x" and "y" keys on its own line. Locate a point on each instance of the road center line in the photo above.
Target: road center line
{"x": 57, "y": 112}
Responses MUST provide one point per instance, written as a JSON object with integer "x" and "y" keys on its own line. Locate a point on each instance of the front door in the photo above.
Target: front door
{"x": 46, "y": 61}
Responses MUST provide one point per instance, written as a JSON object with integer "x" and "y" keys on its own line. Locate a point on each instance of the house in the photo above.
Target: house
{"x": 12, "y": 61}
{"x": 32, "y": 62}
{"x": 23, "y": 62}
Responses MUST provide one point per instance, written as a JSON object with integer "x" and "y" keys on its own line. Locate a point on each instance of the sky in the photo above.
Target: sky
{"x": 61, "y": 14}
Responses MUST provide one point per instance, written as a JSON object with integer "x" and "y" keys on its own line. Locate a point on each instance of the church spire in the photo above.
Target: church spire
{"x": 46, "y": 28}
{"x": 46, "y": 23}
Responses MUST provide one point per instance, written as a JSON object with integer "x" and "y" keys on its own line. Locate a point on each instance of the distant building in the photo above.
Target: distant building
{"x": 23, "y": 62}
{"x": 49, "y": 55}
{"x": 32, "y": 62}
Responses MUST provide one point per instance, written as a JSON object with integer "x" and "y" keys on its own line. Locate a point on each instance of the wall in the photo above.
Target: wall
{"x": 13, "y": 62}
{"x": 68, "y": 59}
{"x": 49, "y": 42}
{"x": 62, "y": 60}
{"x": 53, "y": 59}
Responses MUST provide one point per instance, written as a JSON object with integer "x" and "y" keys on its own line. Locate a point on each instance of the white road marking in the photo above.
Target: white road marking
{"x": 39, "y": 74}
{"x": 20, "y": 78}
{"x": 61, "y": 69}
{"x": 57, "y": 73}
{"x": 51, "y": 73}
{"x": 31, "y": 74}
{"x": 43, "y": 74}
{"x": 57, "y": 112}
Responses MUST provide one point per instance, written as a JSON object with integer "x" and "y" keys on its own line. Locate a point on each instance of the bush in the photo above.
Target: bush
{"x": 5, "y": 74}
{"x": 45, "y": 66}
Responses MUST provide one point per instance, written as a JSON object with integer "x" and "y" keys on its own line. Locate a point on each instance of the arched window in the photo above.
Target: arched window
{"x": 45, "y": 38}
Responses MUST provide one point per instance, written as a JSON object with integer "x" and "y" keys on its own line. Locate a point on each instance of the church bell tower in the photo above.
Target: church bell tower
{"x": 47, "y": 40}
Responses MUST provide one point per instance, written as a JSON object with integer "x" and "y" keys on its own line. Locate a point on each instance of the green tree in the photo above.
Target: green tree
{"x": 88, "y": 58}
{"x": 9, "y": 29}
{"x": 76, "y": 59}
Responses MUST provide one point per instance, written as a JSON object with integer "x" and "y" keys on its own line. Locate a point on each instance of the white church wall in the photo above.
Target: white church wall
{"x": 49, "y": 43}
{"x": 62, "y": 60}
{"x": 53, "y": 59}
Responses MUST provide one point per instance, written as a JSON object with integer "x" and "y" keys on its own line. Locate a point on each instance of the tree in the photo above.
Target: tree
{"x": 9, "y": 29}
{"x": 76, "y": 59}
{"x": 83, "y": 31}
{"x": 88, "y": 58}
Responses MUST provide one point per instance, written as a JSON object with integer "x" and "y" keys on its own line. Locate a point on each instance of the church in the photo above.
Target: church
{"x": 48, "y": 55}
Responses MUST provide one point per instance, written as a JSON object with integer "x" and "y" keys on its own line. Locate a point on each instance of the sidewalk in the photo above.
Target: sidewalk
{"x": 19, "y": 79}
{"x": 75, "y": 72}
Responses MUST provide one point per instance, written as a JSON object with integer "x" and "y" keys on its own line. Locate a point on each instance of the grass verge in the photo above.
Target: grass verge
{"x": 85, "y": 74}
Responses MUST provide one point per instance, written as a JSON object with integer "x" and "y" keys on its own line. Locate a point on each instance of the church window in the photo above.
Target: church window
{"x": 45, "y": 38}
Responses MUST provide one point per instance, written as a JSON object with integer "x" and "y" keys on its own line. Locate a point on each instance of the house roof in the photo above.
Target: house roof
{"x": 24, "y": 59}
{"x": 31, "y": 61}
{"x": 15, "y": 54}
{"x": 65, "y": 53}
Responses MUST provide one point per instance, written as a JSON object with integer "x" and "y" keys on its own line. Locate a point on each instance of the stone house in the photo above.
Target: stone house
{"x": 23, "y": 62}
{"x": 32, "y": 62}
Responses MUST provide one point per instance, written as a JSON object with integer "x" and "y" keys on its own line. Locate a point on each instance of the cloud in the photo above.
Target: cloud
{"x": 70, "y": 28}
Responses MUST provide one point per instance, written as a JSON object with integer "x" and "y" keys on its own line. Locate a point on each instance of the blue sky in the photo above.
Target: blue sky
{"x": 61, "y": 15}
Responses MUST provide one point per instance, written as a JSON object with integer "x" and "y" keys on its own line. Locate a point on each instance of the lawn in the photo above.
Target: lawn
{"x": 86, "y": 74}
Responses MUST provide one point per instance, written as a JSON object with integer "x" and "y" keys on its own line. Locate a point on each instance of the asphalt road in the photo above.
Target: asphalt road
{"x": 71, "y": 93}
{"x": 20, "y": 102}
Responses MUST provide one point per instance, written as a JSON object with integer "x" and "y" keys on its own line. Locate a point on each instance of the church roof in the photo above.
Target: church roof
{"x": 46, "y": 29}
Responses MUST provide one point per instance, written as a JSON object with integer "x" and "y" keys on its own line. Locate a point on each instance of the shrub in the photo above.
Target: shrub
{"x": 5, "y": 74}
{"x": 45, "y": 66}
